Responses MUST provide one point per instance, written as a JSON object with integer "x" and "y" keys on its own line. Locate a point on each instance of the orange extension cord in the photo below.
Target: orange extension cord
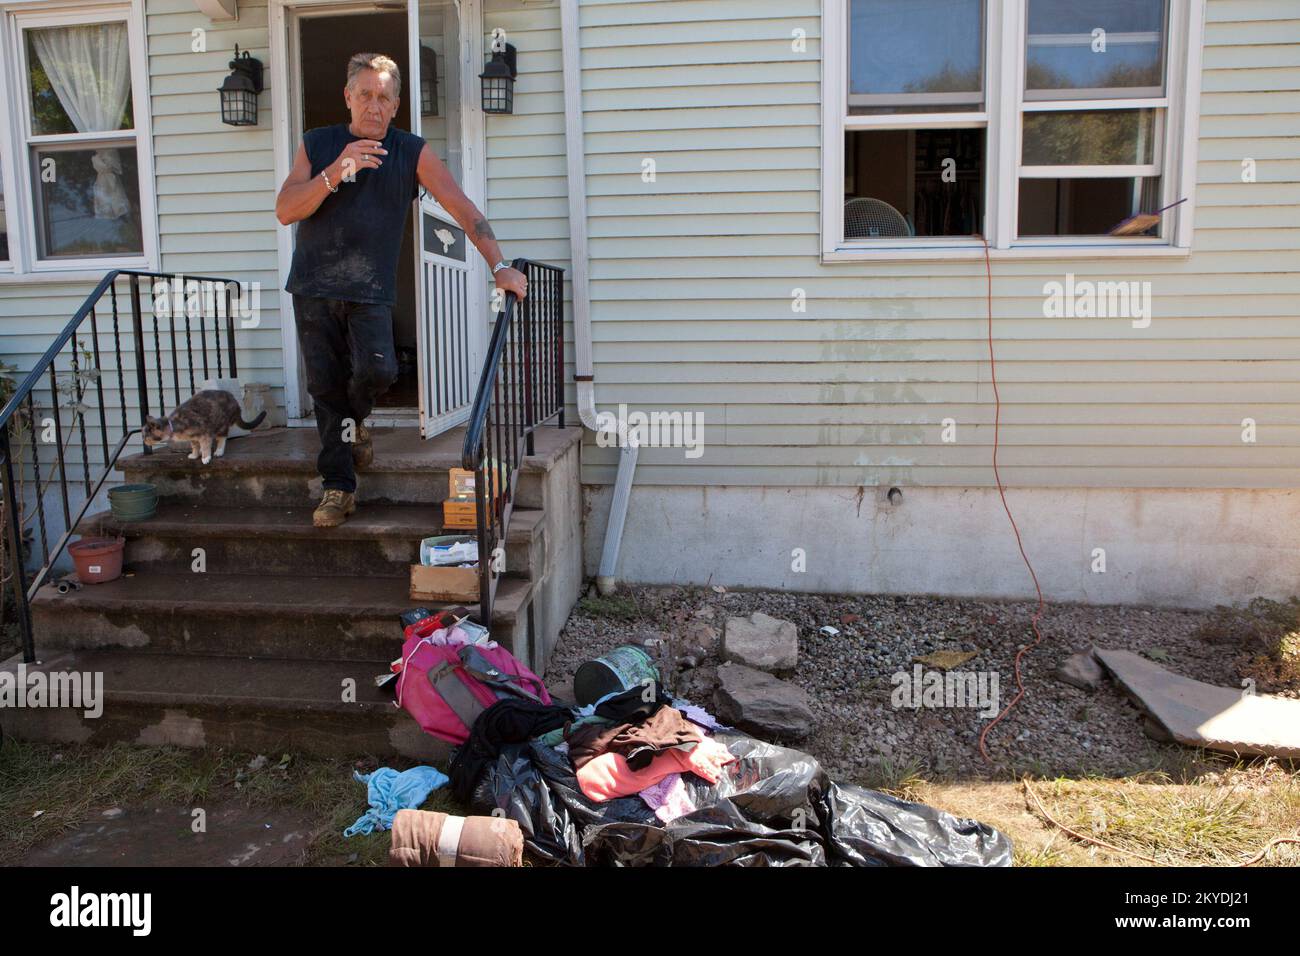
{"x": 997, "y": 421}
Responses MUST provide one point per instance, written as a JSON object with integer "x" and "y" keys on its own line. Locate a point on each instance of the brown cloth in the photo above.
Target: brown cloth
{"x": 665, "y": 728}
{"x": 483, "y": 841}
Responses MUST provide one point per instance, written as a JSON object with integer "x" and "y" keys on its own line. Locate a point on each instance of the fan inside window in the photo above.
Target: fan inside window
{"x": 870, "y": 218}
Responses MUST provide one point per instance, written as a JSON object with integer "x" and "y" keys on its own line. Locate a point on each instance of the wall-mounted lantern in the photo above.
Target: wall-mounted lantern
{"x": 498, "y": 78}
{"x": 428, "y": 82}
{"x": 239, "y": 90}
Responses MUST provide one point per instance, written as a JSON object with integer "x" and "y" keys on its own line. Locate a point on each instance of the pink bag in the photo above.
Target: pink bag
{"x": 445, "y": 684}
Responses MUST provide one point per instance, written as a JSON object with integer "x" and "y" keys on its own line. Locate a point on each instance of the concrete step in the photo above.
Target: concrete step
{"x": 380, "y": 540}
{"x": 304, "y": 618}
{"x": 325, "y": 707}
{"x": 277, "y": 467}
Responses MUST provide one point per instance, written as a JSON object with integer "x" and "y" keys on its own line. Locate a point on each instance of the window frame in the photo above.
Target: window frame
{"x": 1006, "y": 38}
{"x": 15, "y": 121}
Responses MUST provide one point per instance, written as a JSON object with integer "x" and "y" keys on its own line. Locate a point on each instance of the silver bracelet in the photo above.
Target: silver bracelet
{"x": 328, "y": 186}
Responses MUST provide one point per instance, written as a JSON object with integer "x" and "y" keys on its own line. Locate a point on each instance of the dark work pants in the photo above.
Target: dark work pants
{"x": 347, "y": 348}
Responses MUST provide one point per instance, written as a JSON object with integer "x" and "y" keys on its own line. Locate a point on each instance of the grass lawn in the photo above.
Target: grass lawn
{"x": 1212, "y": 811}
{"x": 47, "y": 791}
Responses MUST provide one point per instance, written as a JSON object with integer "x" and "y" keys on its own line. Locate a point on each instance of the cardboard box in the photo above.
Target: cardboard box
{"x": 445, "y": 583}
{"x": 460, "y": 483}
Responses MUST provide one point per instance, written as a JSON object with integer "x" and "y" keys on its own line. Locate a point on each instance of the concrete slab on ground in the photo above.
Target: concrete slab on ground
{"x": 1202, "y": 715}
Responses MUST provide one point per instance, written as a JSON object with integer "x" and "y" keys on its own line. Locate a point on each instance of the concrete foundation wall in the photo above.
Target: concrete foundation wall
{"x": 1181, "y": 547}
{"x": 556, "y": 491}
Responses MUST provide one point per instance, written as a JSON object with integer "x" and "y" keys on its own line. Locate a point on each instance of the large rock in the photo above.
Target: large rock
{"x": 1080, "y": 670}
{"x": 761, "y": 704}
{"x": 767, "y": 643}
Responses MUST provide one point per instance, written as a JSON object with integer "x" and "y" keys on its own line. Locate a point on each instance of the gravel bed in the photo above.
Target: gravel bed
{"x": 860, "y": 736}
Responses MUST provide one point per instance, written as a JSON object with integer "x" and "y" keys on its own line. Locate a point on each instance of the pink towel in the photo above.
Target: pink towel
{"x": 608, "y": 776}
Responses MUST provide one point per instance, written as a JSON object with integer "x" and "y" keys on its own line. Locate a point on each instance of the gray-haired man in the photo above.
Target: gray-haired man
{"x": 351, "y": 189}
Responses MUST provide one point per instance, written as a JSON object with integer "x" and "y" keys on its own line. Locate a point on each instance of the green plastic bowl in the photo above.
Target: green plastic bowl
{"x": 133, "y": 502}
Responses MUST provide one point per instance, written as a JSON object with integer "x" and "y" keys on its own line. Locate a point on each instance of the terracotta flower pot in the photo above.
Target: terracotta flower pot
{"x": 98, "y": 560}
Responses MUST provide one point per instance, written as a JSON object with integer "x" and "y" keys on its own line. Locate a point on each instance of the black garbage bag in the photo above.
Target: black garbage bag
{"x": 774, "y": 807}
{"x": 777, "y": 807}
{"x": 535, "y": 786}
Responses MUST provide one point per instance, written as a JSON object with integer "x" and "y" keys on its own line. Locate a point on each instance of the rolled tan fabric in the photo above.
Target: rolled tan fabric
{"x": 426, "y": 838}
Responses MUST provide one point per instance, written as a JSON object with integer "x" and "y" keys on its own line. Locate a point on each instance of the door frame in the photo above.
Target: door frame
{"x": 285, "y": 72}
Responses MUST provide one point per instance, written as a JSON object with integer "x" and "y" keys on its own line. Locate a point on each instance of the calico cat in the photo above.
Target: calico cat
{"x": 203, "y": 419}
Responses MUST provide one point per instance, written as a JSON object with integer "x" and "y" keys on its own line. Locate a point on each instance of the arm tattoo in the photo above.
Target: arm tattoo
{"x": 482, "y": 230}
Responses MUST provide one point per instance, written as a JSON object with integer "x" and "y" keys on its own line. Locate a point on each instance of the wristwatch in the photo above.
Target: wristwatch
{"x": 499, "y": 266}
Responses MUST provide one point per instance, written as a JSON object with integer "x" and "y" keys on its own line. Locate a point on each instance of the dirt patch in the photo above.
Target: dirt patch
{"x": 260, "y": 810}
{"x": 851, "y": 676}
{"x": 230, "y": 835}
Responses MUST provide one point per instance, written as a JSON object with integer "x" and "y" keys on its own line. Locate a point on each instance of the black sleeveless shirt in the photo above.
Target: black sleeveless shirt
{"x": 348, "y": 248}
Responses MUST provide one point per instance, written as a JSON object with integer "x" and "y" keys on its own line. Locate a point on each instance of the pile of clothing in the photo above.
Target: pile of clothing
{"x": 642, "y": 779}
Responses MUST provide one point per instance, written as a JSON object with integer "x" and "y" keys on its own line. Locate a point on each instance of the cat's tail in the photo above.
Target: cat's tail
{"x": 253, "y": 424}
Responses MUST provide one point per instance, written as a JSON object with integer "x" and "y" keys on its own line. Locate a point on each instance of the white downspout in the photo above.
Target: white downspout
{"x": 583, "y": 374}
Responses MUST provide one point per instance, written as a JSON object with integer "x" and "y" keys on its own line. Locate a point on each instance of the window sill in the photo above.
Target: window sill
{"x": 975, "y": 250}
{"x": 83, "y": 274}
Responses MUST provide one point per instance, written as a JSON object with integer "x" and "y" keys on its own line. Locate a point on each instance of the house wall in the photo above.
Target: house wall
{"x": 216, "y": 184}
{"x": 216, "y": 187}
{"x": 692, "y": 282}
{"x": 692, "y": 279}
{"x": 527, "y": 189}
{"x": 214, "y": 195}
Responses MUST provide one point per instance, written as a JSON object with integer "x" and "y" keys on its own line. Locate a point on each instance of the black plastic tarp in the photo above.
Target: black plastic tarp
{"x": 774, "y": 807}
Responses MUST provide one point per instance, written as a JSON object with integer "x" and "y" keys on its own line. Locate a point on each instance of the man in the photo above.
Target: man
{"x": 350, "y": 190}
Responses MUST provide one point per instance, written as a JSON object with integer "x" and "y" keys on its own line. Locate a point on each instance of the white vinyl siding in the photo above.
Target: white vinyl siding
{"x": 527, "y": 190}
{"x": 216, "y": 183}
{"x": 693, "y": 277}
{"x": 215, "y": 198}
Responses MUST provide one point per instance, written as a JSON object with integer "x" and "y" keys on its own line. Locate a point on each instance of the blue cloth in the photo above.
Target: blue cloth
{"x": 389, "y": 791}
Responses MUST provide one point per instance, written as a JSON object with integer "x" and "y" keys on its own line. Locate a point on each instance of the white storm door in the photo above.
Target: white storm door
{"x": 451, "y": 280}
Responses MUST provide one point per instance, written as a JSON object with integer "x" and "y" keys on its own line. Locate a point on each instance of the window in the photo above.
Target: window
{"x": 1039, "y": 124}
{"x": 1093, "y": 112}
{"x": 79, "y": 155}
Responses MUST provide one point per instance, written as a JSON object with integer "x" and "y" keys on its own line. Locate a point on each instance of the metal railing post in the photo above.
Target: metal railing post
{"x": 137, "y": 330}
{"x": 15, "y": 542}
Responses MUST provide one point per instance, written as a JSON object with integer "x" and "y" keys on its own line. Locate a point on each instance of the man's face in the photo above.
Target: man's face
{"x": 372, "y": 100}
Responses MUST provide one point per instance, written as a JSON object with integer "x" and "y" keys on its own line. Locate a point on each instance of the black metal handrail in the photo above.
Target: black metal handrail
{"x": 522, "y": 387}
{"x": 87, "y": 366}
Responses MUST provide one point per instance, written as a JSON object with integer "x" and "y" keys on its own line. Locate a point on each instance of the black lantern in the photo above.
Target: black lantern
{"x": 239, "y": 90}
{"x": 428, "y": 82}
{"x": 498, "y": 78}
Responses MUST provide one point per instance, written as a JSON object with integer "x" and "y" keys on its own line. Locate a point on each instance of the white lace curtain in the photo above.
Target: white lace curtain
{"x": 89, "y": 68}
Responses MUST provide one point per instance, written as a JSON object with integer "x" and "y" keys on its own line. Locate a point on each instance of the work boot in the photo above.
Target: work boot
{"x": 334, "y": 508}
{"x": 363, "y": 452}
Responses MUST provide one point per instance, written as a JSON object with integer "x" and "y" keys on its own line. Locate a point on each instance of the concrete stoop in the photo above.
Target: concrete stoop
{"x": 276, "y": 643}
